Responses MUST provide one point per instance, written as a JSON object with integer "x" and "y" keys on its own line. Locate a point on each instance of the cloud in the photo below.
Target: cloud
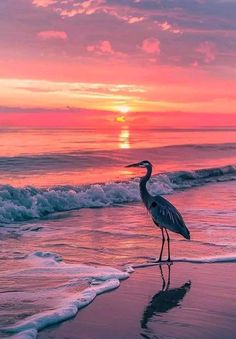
{"x": 166, "y": 26}
{"x": 134, "y": 19}
{"x": 87, "y": 7}
{"x": 151, "y": 46}
{"x": 80, "y": 89}
{"x": 43, "y": 3}
{"x": 104, "y": 48}
{"x": 119, "y": 14}
{"x": 42, "y": 93}
{"x": 48, "y": 35}
{"x": 207, "y": 50}
{"x": 91, "y": 7}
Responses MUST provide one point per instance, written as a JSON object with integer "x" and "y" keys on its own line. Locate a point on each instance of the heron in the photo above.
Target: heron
{"x": 164, "y": 215}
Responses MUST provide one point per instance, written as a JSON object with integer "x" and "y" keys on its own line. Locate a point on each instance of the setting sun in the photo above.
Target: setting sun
{"x": 120, "y": 119}
{"x": 123, "y": 109}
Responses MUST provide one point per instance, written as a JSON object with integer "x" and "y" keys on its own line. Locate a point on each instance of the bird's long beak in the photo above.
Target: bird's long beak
{"x": 133, "y": 165}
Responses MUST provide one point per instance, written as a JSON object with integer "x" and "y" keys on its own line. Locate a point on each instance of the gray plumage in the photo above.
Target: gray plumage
{"x": 163, "y": 213}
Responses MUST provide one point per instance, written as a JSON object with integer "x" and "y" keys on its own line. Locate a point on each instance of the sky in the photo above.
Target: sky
{"x": 72, "y": 59}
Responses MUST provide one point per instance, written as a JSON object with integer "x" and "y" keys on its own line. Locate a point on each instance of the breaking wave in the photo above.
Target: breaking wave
{"x": 20, "y": 204}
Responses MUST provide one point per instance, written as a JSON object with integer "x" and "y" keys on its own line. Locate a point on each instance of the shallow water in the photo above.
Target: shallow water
{"x": 125, "y": 233}
{"x": 55, "y": 238}
{"x": 46, "y": 157}
{"x": 114, "y": 236}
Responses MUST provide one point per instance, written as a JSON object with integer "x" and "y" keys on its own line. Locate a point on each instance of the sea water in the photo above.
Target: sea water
{"x": 72, "y": 223}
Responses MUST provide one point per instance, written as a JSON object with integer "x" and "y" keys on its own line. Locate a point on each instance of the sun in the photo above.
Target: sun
{"x": 120, "y": 119}
{"x": 123, "y": 109}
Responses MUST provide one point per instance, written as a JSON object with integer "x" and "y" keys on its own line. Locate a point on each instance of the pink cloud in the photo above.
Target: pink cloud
{"x": 43, "y": 3}
{"x": 165, "y": 26}
{"x": 134, "y": 19}
{"x": 90, "y": 7}
{"x": 130, "y": 19}
{"x": 87, "y": 7}
{"x": 104, "y": 48}
{"x": 151, "y": 46}
{"x": 47, "y": 35}
{"x": 207, "y": 50}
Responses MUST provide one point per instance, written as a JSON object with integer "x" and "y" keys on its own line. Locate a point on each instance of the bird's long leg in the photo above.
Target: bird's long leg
{"x": 162, "y": 245}
{"x": 168, "y": 242}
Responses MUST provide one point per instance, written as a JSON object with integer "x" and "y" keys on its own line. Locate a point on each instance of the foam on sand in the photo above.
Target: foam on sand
{"x": 203, "y": 260}
{"x": 56, "y": 290}
{"x": 76, "y": 286}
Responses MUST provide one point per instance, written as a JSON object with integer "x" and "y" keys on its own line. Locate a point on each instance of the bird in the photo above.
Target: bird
{"x": 164, "y": 215}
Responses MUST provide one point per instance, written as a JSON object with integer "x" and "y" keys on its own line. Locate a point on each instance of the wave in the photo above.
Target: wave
{"x": 21, "y": 204}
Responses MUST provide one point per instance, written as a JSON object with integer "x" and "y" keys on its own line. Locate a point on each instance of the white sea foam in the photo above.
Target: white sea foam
{"x": 20, "y": 204}
{"x": 207, "y": 260}
{"x": 67, "y": 300}
{"x": 201, "y": 260}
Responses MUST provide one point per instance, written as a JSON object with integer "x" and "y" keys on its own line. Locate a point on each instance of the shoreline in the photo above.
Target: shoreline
{"x": 195, "y": 304}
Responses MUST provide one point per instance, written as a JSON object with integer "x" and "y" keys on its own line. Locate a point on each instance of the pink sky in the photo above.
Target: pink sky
{"x": 145, "y": 56}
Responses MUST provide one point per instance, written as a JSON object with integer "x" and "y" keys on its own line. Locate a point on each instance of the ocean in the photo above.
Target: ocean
{"x": 72, "y": 224}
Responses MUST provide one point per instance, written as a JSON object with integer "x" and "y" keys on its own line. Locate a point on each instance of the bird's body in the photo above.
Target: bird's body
{"x": 163, "y": 213}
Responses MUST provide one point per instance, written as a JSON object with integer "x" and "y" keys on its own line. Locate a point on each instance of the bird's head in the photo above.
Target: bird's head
{"x": 141, "y": 164}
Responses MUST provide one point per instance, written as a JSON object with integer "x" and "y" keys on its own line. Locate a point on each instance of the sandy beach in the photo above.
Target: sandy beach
{"x": 200, "y": 302}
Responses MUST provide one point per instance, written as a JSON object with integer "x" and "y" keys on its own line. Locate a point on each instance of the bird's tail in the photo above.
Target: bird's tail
{"x": 185, "y": 233}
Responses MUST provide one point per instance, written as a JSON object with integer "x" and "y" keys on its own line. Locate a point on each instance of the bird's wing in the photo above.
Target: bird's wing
{"x": 166, "y": 215}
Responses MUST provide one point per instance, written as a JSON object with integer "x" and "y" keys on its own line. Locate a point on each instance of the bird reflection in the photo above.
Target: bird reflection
{"x": 166, "y": 299}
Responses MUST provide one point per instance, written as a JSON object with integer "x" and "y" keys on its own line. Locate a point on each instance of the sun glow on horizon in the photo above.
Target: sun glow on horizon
{"x": 124, "y": 109}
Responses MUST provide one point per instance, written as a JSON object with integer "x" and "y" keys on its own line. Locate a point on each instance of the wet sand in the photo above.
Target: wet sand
{"x": 199, "y": 302}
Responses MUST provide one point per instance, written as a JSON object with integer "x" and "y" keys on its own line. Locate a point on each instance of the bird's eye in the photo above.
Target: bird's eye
{"x": 154, "y": 204}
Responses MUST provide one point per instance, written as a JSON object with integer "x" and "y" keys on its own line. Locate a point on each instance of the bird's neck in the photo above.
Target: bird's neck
{"x": 143, "y": 188}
